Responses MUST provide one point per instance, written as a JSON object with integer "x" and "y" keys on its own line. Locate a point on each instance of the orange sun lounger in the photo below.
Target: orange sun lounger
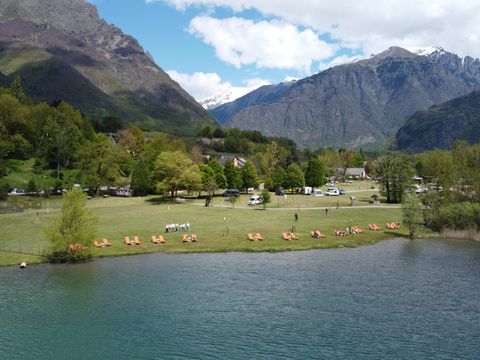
{"x": 105, "y": 242}
{"x": 96, "y": 244}
{"x": 250, "y": 237}
{"x": 161, "y": 239}
{"x": 259, "y": 236}
{"x": 136, "y": 240}
{"x": 128, "y": 241}
{"x": 154, "y": 239}
{"x": 194, "y": 237}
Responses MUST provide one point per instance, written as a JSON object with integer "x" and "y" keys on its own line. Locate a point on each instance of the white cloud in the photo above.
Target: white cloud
{"x": 205, "y": 85}
{"x": 267, "y": 44}
{"x": 370, "y": 25}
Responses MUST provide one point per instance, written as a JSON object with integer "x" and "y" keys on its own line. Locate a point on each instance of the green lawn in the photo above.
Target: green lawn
{"x": 220, "y": 228}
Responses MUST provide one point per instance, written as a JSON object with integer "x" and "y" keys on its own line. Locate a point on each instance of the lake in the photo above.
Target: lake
{"x": 398, "y": 299}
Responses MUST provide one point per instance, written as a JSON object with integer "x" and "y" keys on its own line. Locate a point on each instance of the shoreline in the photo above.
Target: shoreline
{"x": 321, "y": 246}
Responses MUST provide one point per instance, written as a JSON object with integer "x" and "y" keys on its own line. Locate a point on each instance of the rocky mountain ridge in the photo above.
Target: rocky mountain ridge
{"x": 441, "y": 125}
{"x": 355, "y": 104}
{"x": 62, "y": 49}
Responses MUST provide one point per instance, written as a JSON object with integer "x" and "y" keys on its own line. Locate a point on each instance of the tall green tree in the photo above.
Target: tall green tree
{"x": 294, "y": 177}
{"x": 76, "y": 224}
{"x": 249, "y": 176}
{"x": 315, "y": 173}
{"x": 347, "y": 158}
{"x": 394, "y": 173}
{"x": 208, "y": 178}
{"x": 220, "y": 178}
{"x": 98, "y": 163}
{"x": 412, "y": 214}
{"x": 142, "y": 178}
{"x": 437, "y": 167}
{"x": 266, "y": 197}
{"x": 278, "y": 177}
{"x": 174, "y": 170}
{"x": 65, "y": 135}
{"x": 233, "y": 176}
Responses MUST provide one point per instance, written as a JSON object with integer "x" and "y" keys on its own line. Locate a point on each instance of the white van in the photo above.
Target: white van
{"x": 306, "y": 190}
{"x": 255, "y": 200}
{"x": 333, "y": 192}
{"x": 317, "y": 192}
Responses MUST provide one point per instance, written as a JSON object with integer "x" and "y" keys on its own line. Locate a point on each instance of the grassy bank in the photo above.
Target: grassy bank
{"x": 220, "y": 228}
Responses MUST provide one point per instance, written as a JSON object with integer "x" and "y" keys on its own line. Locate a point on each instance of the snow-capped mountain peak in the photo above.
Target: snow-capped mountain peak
{"x": 426, "y": 51}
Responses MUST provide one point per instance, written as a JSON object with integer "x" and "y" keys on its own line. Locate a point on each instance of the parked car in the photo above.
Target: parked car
{"x": 341, "y": 191}
{"x": 255, "y": 200}
{"x": 17, "y": 192}
{"x": 317, "y": 192}
{"x": 279, "y": 191}
{"x": 231, "y": 192}
{"x": 333, "y": 192}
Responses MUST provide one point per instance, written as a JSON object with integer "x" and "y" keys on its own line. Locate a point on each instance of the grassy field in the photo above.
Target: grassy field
{"x": 220, "y": 228}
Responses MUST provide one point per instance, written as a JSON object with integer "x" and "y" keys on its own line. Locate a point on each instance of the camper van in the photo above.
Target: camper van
{"x": 306, "y": 190}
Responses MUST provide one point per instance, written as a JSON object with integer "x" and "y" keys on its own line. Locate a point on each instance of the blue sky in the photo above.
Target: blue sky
{"x": 214, "y": 46}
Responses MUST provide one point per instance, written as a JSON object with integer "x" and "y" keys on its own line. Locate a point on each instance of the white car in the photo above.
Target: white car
{"x": 255, "y": 200}
{"x": 333, "y": 192}
{"x": 317, "y": 192}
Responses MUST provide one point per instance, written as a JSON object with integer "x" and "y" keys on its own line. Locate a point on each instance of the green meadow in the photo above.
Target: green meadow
{"x": 220, "y": 228}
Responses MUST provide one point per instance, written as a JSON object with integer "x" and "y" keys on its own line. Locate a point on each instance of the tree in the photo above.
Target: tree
{"x": 220, "y": 178}
{"x": 437, "y": 166}
{"x": 31, "y": 186}
{"x": 97, "y": 160}
{"x": 266, "y": 197}
{"x": 315, "y": 173}
{"x": 141, "y": 178}
{"x": 411, "y": 213}
{"x": 249, "y": 176}
{"x": 174, "y": 170}
{"x": 347, "y": 158}
{"x": 208, "y": 178}
{"x": 294, "y": 177}
{"x": 233, "y": 176}
{"x": 278, "y": 176}
{"x": 72, "y": 232}
{"x": 65, "y": 135}
{"x": 394, "y": 173}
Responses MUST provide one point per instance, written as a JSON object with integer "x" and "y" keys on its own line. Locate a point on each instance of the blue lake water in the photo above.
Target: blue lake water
{"x": 396, "y": 300}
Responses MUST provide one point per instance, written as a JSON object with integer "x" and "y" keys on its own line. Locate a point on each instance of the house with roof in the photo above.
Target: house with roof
{"x": 237, "y": 161}
{"x": 124, "y": 190}
{"x": 356, "y": 173}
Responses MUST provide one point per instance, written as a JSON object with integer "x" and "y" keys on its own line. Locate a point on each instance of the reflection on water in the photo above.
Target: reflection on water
{"x": 399, "y": 299}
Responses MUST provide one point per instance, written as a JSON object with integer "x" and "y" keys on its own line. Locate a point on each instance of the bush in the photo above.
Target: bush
{"x": 73, "y": 231}
{"x": 461, "y": 216}
{"x": 68, "y": 256}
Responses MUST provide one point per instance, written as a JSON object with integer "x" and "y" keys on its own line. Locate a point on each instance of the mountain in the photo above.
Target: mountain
{"x": 214, "y": 101}
{"x": 355, "y": 104}
{"x": 441, "y": 125}
{"x": 62, "y": 50}
{"x": 266, "y": 93}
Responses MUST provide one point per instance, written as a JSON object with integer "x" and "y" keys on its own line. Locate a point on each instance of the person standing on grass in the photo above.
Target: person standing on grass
{"x": 326, "y": 211}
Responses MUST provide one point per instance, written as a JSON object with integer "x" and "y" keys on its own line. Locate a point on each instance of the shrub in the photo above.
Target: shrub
{"x": 461, "y": 216}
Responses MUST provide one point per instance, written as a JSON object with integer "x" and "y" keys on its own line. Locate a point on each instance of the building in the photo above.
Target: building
{"x": 237, "y": 161}
{"x": 356, "y": 173}
{"x": 124, "y": 190}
